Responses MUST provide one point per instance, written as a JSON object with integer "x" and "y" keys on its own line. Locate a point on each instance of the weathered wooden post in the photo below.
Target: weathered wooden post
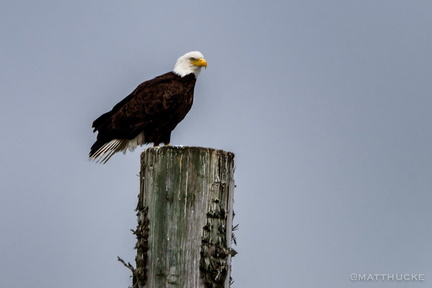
{"x": 185, "y": 218}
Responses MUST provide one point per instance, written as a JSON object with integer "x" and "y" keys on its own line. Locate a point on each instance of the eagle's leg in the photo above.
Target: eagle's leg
{"x": 166, "y": 138}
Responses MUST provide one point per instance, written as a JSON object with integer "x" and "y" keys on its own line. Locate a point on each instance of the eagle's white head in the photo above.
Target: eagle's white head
{"x": 191, "y": 62}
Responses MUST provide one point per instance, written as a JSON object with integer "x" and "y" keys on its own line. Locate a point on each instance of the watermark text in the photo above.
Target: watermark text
{"x": 399, "y": 277}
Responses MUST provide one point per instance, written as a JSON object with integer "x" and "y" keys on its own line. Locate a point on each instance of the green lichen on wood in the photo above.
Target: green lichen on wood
{"x": 139, "y": 274}
{"x": 216, "y": 251}
{"x": 141, "y": 246}
{"x": 215, "y": 255}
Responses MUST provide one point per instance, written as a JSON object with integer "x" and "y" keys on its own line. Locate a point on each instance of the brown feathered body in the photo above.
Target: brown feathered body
{"x": 148, "y": 115}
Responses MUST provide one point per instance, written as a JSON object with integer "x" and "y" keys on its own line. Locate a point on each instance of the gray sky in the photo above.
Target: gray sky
{"x": 326, "y": 104}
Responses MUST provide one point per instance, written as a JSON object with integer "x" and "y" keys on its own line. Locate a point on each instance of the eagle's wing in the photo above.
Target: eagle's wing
{"x": 150, "y": 103}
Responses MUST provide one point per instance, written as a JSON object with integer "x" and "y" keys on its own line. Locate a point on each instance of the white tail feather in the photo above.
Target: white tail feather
{"x": 106, "y": 151}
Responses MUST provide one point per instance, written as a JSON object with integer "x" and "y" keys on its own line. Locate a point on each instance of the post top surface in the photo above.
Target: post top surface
{"x": 186, "y": 149}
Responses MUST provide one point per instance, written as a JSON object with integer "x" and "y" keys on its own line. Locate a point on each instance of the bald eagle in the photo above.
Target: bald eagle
{"x": 150, "y": 113}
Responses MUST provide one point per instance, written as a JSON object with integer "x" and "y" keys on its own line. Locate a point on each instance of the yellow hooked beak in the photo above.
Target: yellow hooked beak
{"x": 201, "y": 62}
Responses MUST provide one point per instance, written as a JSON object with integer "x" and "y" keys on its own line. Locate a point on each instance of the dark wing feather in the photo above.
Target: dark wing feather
{"x": 156, "y": 103}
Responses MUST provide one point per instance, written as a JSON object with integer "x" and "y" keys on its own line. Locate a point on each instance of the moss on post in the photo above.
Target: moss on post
{"x": 185, "y": 209}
